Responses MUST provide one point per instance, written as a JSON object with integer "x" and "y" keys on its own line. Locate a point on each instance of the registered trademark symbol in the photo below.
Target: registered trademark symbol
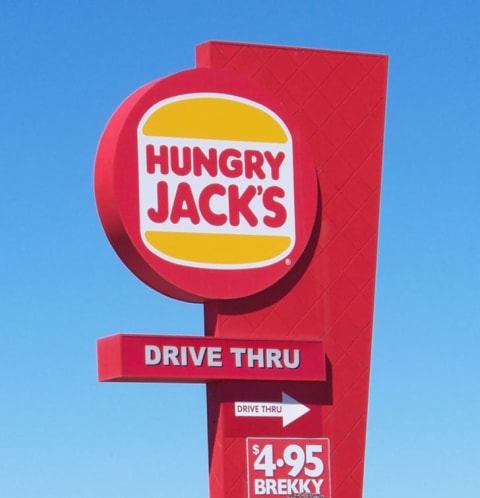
{"x": 288, "y": 261}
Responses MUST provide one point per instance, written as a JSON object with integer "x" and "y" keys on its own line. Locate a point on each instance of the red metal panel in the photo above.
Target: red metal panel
{"x": 339, "y": 100}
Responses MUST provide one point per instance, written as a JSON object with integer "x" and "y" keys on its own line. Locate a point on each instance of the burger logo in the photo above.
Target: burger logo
{"x": 205, "y": 186}
{"x": 216, "y": 185}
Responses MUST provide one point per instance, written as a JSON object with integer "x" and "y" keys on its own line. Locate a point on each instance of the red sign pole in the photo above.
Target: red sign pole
{"x": 339, "y": 101}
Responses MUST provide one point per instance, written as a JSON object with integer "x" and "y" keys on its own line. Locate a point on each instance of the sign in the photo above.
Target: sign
{"x": 206, "y": 186}
{"x": 155, "y": 358}
{"x": 288, "y": 467}
{"x": 216, "y": 194}
{"x": 288, "y": 410}
{"x": 252, "y": 184}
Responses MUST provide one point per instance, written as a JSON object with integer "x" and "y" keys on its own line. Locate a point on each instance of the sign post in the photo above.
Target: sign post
{"x": 252, "y": 184}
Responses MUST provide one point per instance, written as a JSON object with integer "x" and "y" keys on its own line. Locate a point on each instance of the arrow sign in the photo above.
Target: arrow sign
{"x": 289, "y": 409}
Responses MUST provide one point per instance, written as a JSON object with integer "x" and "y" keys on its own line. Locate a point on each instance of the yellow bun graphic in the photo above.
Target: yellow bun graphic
{"x": 214, "y": 118}
{"x": 218, "y": 249}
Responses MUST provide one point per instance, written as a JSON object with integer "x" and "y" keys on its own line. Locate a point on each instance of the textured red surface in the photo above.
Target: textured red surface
{"x": 339, "y": 100}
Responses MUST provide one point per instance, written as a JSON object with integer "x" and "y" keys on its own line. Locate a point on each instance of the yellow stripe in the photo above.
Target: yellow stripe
{"x": 221, "y": 249}
{"x": 214, "y": 118}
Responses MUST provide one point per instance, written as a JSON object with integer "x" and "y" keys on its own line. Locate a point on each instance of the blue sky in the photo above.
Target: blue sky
{"x": 65, "y": 67}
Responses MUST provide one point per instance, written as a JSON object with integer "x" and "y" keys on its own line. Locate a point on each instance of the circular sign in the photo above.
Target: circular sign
{"x": 205, "y": 186}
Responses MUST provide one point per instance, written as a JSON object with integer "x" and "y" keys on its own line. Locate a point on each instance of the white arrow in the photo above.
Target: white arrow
{"x": 289, "y": 409}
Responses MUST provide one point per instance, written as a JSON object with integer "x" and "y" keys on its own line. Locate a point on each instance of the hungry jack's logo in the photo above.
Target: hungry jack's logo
{"x": 216, "y": 185}
{"x": 205, "y": 186}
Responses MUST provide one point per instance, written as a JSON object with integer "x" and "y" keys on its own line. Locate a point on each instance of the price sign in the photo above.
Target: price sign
{"x": 288, "y": 467}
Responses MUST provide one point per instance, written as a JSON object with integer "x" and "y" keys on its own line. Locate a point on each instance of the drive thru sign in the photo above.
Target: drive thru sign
{"x": 252, "y": 184}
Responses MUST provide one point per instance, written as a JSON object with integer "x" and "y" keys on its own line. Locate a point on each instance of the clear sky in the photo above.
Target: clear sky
{"x": 64, "y": 68}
